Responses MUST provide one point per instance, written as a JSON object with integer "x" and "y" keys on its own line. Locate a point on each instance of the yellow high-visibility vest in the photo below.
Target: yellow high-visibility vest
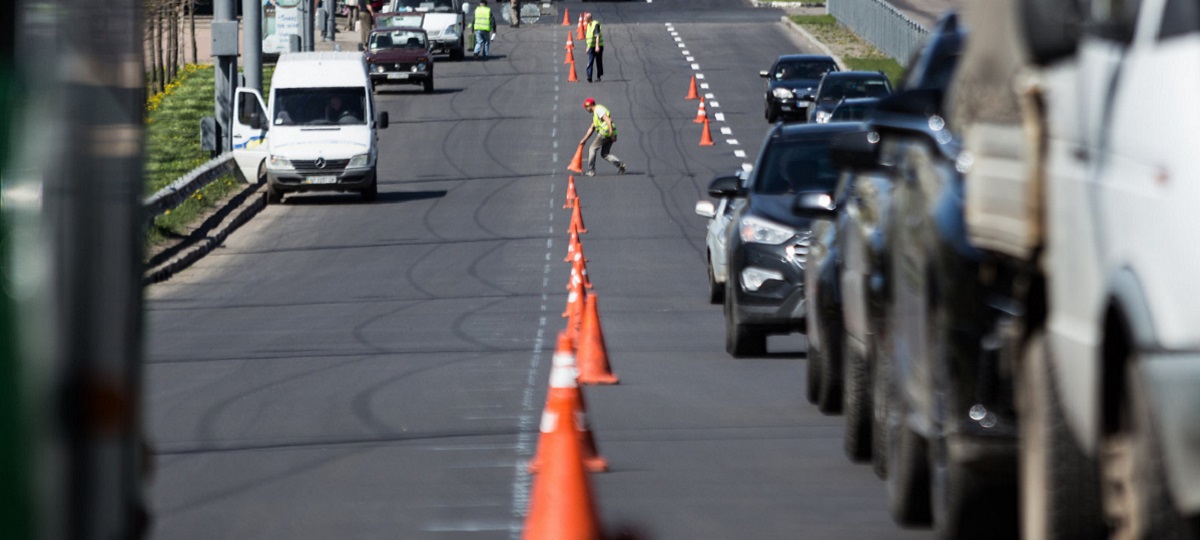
{"x": 483, "y": 19}
{"x": 594, "y": 35}
{"x": 597, "y": 114}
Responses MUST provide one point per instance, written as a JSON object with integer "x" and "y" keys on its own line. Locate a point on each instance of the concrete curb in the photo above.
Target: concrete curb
{"x": 245, "y": 205}
{"x": 820, "y": 45}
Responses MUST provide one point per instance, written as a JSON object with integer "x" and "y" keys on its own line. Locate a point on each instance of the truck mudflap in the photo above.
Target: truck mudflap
{"x": 1175, "y": 378}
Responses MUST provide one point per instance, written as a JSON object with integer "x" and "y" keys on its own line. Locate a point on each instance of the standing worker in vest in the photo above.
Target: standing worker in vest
{"x": 606, "y": 134}
{"x": 595, "y": 47}
{"x": 484, "y": 26}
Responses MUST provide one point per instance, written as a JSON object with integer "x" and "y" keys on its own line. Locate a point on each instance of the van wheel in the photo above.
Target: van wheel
{"x": 370, "y": 192}
{"x": 274, "y": 196}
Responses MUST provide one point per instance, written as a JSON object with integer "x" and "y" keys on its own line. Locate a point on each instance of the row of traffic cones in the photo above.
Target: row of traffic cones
{"x": 561, "y": 505}
{"x": 701, "y": 115}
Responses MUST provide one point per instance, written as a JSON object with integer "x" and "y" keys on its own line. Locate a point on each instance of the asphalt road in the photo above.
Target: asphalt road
{"x": 350, "y": 370}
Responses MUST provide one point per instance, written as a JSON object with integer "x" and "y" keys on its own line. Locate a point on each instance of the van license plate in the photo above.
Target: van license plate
{"x": 321, "y": 180}
{"x": 397, "y": 75}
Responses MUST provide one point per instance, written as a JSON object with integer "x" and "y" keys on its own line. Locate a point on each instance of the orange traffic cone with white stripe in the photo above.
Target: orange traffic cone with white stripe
{"x": 561, "y": 505}
{"x": 579, "y": 271}
{"x": 592, "y": 355}
{"x": 571, "y": 76}
{"x": 570, "y": 58}
{"x": 572, "y": 197}
{"x": 579, "y": 29}
{"x": 701, "y": 114}
{"x": 577, "y": 219}
{"x": 566, "y": 17}
{"x": 706, "y": 136}
{"x": 574, "y": 248}
{"x": 692, "y": 91}
{"x": 563, "y": 382}
{"x": 576, "y": 165}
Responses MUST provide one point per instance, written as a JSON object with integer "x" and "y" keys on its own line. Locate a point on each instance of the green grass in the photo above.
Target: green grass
{"x": 862, "y": 56}
{"x": 173, "y": 147}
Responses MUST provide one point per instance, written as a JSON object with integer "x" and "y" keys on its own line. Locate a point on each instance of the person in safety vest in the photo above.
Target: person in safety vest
{"x": 485, "y": 27}
{"x": 606, "y": 134}
{"x": 595, "y": 47}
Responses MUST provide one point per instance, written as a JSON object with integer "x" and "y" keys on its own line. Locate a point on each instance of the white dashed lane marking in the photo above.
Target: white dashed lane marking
{"x": 709, "y": 96}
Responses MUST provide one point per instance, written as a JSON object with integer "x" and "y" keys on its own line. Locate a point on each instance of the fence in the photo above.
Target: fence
{"x": 170, "y": 196}
{"x": 880, "y": 23}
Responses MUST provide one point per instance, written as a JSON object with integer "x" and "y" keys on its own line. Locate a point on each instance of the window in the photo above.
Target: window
{"x": 320, "y": 106}
{"x": 1180, "y": 17}
{"x": 794, "y": 166}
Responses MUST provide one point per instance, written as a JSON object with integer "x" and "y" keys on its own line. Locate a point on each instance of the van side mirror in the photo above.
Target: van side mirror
{"x": 383, "y": 120}
{"x": 467, "y": 8}
{"x": 726, "y": 187}
{"x": 815, "y": 205}
{"x": 856, "y": 151}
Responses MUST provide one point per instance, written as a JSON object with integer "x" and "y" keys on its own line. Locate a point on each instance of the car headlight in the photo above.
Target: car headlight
{"x": 378, "y": 68}
{"x": 421, "y": 66}
{"x": 279, "y": 163}
{"x": 754, "y": 278}
{"x": 760, "y": 231}
{"x": 359, "y": 161}
{"x": 782, "y": 93}
{"x": 823, "y": 117}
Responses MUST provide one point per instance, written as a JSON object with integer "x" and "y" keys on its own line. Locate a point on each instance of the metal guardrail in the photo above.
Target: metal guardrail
{"x": 880, "y": 23}
{"x": 178, "y": 191}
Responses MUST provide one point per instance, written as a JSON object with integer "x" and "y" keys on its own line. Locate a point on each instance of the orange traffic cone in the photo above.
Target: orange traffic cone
{"x": 593, "y": 354}
{"x": 576, "y": 165}
{"x": 566, "y": 17}
{"x": 692, "y": 91}
{"x": 571, "y": 195}
{"x": 573, "y": 247}
{"x": 701, "y": 114}
{"x": 579, "y": 273}
{"x": 563, "y": 385}
{"x": 706, "y": 136}
{"x": 579, "y": 29}
{"x": 561, "y": 505}
{"x": 572, "y": 77}
{"x": 575, "y": 307}
{"x": 576, "y": 222}
{"x": 570, "y": 57}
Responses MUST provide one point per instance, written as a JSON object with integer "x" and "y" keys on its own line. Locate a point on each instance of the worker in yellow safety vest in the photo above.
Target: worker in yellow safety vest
{"x": 485, "y": 27}
{"x": 606, "y": 134}
{"x": 595, "y": 47}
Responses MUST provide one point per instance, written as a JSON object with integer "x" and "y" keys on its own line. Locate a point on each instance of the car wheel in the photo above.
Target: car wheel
{"x": 881, "y": 374}
{"x": 1136, "y": 497}
{"x": 812, "y": 386}
{"x": 856, "y": 404}
{"x": 457, "y": 54}
{"x": 829, "y": 398}
{"x": 1059, "y": 486}
{"x": 370, "y": 192}
{"x": 716, "y": 291}
{"x": 771, "y": 115}
{"x": 274, "y": 196}
{"x": 741, "y": 340}
{"x": 908, "y": 472}
{"x": 429, "y": 85}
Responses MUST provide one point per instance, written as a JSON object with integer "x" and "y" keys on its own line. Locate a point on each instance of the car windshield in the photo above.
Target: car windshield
{"x": 793, "y": 166}
{"x": 412, "y": 20}
{"x": 398, "y": 39}
{"x": 436, "y": 6}
{"x": 320, "y": 106}
{"x": 787, "y": 71}
{"x": 847, "y": 112}
{"x": 855, "y": 88}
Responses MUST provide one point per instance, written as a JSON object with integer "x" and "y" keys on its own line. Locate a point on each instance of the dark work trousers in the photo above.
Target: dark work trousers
{"x": 595, "y": 57}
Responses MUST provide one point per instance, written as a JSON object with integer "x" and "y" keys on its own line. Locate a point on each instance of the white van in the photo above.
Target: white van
{"x": 319, "y": 132}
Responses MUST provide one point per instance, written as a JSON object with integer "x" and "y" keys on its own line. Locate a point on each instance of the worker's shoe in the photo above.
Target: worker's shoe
{"x": 622, "y": 168}
{"x": 590, "y": 173}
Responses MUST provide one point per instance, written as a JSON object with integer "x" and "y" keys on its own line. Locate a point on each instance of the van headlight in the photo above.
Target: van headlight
{"x": 359, "y": 162}
{"x": 760, "y": 231}
{"x": 279, "y": 163}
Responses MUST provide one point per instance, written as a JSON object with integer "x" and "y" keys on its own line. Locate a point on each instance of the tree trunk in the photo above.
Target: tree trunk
{"x": 192, "y": 23}
{"x": 169, "y": 13}
{"x": 148, "y": 46}
{"x": 158, "y": 48}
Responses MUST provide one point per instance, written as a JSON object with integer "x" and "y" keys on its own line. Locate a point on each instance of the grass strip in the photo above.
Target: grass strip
{"x": 858, "y": 54}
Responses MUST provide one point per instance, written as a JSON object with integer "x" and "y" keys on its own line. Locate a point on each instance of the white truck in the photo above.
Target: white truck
{"x": 1080, "y": 120}
{"x": 319, "y": 132}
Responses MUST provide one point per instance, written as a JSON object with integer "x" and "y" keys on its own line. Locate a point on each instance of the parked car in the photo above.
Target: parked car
{"x": 767, "y": 244}
{"x": 720, "y": 215}
{"x": 823, "y": 320}
{"x": 444, "y": 21}
{"x": 834, "y": 87}
{"x": 399, "y": 56}
{"x": 791, "y": 77}
{"x": 853, "y": 109}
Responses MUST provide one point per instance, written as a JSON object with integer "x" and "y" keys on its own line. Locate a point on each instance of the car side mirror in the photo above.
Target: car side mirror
{"x": 858, "y": 150}
{"x": 814, "y": 205}
{"x": 726, "y": 186}
{"x": 764, "y": 74}
{"x": 383, "y": 120}
{"x": 705, "y": 208}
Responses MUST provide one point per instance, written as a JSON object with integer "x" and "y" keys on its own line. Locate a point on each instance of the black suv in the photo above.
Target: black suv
{"x": 835, "y": 87}
{"x": 767, "y": 245}
{"x": 789, "y": 79}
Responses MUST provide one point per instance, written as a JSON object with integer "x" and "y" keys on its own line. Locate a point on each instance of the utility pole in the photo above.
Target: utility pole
{"x": 252, "y": 39}
{"x": 225, "y": 50}
{"x": 307, "y": 22}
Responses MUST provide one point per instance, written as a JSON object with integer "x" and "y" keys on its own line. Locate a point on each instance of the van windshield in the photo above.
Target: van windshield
{"x": 320, "y": 106}
{"x": 437, "y": 6}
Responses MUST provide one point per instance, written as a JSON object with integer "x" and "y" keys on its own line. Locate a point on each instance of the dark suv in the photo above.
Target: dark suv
{"x": 790, "y": 78}
{"x": 766, "y": 243}
{"x": 835, "y": 87}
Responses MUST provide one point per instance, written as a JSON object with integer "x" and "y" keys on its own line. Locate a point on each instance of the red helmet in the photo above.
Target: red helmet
{"x": 587, "y": 102}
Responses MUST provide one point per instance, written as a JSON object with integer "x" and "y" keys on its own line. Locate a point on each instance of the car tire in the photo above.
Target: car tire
{"x": 1059, "y": 486}
{"x": 812, "y": 383}
{"x": 716, "y": 291}
{"x": 457, "y": 54}
{"x": 881, "y": 387}
{"x": 429, "y": 85}
{"x": 908, "y": 476}
{"x": 274, "y": 196}
{"x": 771, "y": 115}
{"x": 829, "y": 398}
{"x": 1136, "y": 495}
{"x": 856, "y": 404}
{"x": 741, "y": 340}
